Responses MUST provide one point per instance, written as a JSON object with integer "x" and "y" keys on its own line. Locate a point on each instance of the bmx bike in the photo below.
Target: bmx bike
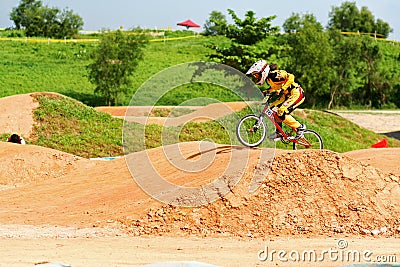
{"x": 252, "y": 131}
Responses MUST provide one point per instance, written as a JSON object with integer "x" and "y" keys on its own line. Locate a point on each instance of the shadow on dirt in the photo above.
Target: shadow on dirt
{"x": 393, "y": 134}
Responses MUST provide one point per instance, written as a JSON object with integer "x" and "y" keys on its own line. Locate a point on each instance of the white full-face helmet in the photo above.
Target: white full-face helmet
{"x": 260, "y": 71}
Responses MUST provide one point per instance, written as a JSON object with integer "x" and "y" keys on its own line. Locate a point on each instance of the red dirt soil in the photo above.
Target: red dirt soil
{"x": 305, "y": 193}
{"x": 140, "y": 114}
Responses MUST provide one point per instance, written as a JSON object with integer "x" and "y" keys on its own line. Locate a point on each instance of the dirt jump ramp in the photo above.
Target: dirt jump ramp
{"x": 312, "y": 193}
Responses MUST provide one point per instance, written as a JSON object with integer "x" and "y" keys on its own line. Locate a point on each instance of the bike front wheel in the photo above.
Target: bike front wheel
{"x": 310, "y": 140}
{"x": 251, "y": 130}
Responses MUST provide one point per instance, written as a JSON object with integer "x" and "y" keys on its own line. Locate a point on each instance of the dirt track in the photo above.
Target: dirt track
{"x": 62, "y": 208}
{"x": 379, "y": 121}
{"x": 199, "y": 114}
{"x": 137, "y": 251}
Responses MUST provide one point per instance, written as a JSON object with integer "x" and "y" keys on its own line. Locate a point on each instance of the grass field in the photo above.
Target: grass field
{"x": 62, "y": 68}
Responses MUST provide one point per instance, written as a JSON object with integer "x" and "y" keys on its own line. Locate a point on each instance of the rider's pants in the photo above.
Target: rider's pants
{"x": 291, "y": 122}
{"x": 288, "y": 119}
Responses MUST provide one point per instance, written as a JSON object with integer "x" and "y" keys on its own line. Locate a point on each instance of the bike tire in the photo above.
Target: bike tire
{"x": 310, "y": 140}
{"x": 245, "y": 131}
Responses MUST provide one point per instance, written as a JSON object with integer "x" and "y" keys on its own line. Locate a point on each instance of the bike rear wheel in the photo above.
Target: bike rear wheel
{"x": 251, "y": 131}
{"x": 310, "y": 140}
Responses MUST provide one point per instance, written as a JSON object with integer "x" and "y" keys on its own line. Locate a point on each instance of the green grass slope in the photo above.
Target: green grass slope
{"x": 68, "y": 125}
{"x": 62, "y": 68}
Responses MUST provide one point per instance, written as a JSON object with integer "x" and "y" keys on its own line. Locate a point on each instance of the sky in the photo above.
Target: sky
{"x": 161, "y": 14}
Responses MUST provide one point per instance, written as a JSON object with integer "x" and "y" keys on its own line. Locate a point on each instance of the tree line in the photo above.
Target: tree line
{"x": 334, "y": 69}
{"x": 37, "y": 20}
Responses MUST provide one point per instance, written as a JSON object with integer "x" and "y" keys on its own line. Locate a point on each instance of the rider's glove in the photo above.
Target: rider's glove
{"x": 281, "y": 110}
{"x": 265, "y": 99}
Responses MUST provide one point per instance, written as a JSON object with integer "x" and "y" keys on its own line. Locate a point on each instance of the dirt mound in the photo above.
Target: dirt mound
{"x": 23, "y": 164}
{"x": 386, "y": 159}
{"x": 16, "y": 114}
{"x": 311, "y": 193}
{"x": 305, "y": 193}
{"x": 99, "y": 192}
{"x": 316, "y": 193}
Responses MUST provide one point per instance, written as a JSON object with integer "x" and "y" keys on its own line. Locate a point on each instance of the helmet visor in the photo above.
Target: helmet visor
{"x": 257, "y": 75}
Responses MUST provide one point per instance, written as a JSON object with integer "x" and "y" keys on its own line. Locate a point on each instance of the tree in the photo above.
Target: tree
{"x": 309, "y": 55}
{"x": 346, "y": 65}
{"x": 114, "y": 62}
{"x": 367, "y": 21}
{"x": 39, "y": 20}
{"x": 69, "y": 24}
{"x": 383, "y": 28}
{"x": 374, "y": 91}
{"x": 250, "y": 30}
{"x": 24, "y": 13}
{"x": 345, "y": 18}
{"x": 349, "y": 18}
{"x": 216, "y": 24}
{"x": 245, "y": 41}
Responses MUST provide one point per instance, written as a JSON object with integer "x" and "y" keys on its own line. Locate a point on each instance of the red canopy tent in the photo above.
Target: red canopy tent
{"x": 188, "y": 24}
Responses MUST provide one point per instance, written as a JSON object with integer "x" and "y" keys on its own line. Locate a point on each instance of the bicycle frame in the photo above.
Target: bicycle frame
{"x": 273, "y": 117}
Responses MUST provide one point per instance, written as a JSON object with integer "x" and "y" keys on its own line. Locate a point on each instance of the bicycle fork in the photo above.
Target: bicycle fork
{"x": 255, "y": 127}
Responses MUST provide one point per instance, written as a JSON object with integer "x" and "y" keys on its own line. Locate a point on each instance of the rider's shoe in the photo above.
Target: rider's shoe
{"x": 300, "y": 130}
{"x": 275, "y": 136}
